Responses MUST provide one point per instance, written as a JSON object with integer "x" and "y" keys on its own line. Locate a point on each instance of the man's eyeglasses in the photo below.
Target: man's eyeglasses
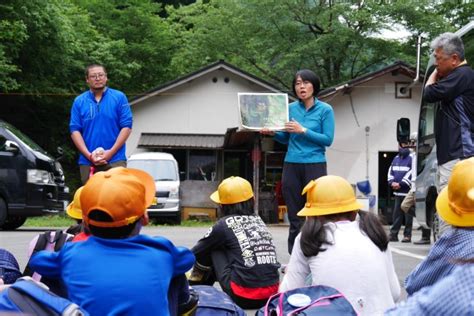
{"x": 97, "y": 76}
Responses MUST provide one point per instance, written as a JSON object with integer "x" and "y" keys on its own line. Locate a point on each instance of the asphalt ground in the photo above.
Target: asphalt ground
{"x": 405, "y": 255}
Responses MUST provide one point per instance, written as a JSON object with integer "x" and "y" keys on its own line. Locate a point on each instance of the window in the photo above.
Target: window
{"x": 236, "y": 163}
{"x": 202, "y": 165}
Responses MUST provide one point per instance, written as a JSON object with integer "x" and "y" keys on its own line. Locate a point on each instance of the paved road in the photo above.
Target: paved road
{"x": 405, "y": 256}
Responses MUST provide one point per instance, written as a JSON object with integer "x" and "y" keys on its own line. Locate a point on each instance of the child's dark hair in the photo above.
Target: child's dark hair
{"x": 109, "y": 232}
{"x": 313, "y": 233}
{"x": 242, "y": 208}
{"x": 308, "y": 75}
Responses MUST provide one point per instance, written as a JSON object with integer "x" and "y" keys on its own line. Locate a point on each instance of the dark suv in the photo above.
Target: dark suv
{"x": 31, "y": 182}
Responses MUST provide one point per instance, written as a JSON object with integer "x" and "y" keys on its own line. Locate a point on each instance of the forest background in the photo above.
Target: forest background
{"x": 45, "y": 46}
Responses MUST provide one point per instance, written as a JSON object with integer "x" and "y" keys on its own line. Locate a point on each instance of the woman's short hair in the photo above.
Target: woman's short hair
{"x": 308, "y": 75}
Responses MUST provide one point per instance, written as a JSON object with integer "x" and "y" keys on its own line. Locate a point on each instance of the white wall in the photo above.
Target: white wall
{"x": 197, "y": 107}
{"x": 375, "y": 106}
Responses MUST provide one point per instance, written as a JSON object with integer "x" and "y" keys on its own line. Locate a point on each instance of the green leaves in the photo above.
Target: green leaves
{"x": 45, "y": 45}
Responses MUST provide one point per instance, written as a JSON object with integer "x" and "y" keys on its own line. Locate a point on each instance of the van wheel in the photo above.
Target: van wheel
{"x": 177, "y": 219}
{"x": 13, "y": 222}
{"x": 3, "y": 212}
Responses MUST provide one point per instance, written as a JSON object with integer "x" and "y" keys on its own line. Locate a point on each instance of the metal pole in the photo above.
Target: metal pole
{"x": 256, "y": 158}
{"x": 367, "y": 157}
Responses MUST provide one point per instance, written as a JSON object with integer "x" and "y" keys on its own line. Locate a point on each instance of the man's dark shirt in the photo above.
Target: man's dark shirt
{"x": 454, "y": 123}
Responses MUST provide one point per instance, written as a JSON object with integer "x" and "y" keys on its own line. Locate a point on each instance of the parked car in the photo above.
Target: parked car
{"x": 164, "y": 169}
{"x": 31, "y": 181}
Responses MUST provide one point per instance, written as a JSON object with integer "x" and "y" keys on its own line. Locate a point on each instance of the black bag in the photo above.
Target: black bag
{"x": 51, "y": 241}
{"x": 215, "y": 302}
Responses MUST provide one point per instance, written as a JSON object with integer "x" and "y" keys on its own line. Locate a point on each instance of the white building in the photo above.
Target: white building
{"x": 195, "y": 118}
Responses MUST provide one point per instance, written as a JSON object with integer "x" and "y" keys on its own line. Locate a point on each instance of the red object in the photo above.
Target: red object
{"x": 258, "y": 293}
{"x": 80, "y": 237}
{"x": 91, "y": 171}
{"x": 279, "y": 193}
{"x": 256, "y": 154}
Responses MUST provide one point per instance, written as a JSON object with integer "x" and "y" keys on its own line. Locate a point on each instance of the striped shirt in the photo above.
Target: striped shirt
{"x": 455, "y": 243}
{"x": 453, "y": 295}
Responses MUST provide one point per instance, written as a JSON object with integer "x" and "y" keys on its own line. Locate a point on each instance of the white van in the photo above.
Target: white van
{"x": 164, "y": 170}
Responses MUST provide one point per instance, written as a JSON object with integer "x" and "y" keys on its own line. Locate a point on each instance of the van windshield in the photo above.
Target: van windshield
{"x": 160, "y": 170}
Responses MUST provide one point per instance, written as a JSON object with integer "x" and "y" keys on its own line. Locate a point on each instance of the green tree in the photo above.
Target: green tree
{"x": 142, "y": 62}
{"x": 340, "y": 40}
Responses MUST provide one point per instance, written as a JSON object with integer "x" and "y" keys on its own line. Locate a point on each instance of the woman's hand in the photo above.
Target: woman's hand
{"x": 294, "y": 127}
{"x": 266, "y": 131}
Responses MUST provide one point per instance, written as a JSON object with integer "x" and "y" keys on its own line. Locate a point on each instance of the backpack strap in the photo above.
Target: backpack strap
{"x": 44, "y": 240}
{"x": 60, "y": 238}
{"x": 41, "y": 244}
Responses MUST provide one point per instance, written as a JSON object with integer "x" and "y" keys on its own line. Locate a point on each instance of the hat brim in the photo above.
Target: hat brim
{"x": 73, "y": 211}
{"x": 320, "y": 211}
{"x": 448, "y": 215}
{"x": 215, "y": 197}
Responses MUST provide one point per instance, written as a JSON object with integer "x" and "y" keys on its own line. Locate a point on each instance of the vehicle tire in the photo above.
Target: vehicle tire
{"x": 13, "y": 222}
{"x": 3, "y": 212}
{"x": 177, "y": 219}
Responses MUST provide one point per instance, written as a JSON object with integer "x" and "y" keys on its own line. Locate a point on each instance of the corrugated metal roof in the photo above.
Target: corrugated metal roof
{"x": 181, "y": 140}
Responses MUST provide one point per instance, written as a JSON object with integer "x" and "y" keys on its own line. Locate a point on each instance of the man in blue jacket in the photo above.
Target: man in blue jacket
{"x": 399, "y": 179}
{"x": 101, "y": 122}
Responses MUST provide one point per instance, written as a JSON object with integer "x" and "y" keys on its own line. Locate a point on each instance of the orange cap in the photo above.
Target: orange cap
{"x": 123, "y": 193}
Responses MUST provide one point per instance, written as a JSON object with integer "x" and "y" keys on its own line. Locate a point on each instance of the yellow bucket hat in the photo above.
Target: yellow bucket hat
{"x": 329, "y": 195}
{"x": 232, "y": 190}
{"x": 455, "y": 203}
{"x": 74, "y": 208}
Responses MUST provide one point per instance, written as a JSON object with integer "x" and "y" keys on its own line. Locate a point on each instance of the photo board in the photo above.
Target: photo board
{"x": 263, "y": 110}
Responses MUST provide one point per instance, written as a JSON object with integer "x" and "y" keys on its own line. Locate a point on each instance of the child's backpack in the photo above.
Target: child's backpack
{"x": 50, "y": 241}
{"x": 29, "y": 297}
{"x": 215, "y": 302}
{"x": 312, "y": 300}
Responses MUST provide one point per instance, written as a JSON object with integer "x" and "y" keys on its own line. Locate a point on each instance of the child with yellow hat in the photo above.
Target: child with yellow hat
{"x": 342, "y": 247}
{"x": 238, "y": 251}
{"x": 443, "y": 283}
{"x": 455, "y": 205}
{"x": 74, "y": 210}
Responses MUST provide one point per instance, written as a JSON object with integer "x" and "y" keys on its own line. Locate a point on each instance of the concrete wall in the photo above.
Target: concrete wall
{"x": 196, "y": 193}
{"x": 375, "y": 106}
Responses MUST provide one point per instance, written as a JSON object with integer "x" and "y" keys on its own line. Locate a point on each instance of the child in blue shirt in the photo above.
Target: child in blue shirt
{"x": 117, "y": 270}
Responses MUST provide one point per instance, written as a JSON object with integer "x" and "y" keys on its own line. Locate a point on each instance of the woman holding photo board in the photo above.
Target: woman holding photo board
{"x": 308, "y": 132}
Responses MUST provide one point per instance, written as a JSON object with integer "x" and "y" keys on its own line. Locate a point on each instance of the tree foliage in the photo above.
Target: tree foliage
{"x": 45, "y": 46}
{"x": 339, "y": 39}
